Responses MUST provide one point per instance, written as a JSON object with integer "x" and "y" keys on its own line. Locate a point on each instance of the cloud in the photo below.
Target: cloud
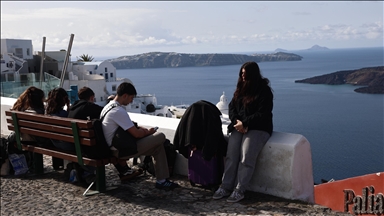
{"x": 301, "y": 13}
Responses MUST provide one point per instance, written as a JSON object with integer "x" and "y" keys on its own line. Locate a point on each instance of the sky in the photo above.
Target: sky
{"x": 117, "y": 28}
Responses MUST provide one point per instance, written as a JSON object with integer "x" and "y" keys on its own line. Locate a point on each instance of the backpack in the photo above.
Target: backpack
{"x": 170, "y": 151}
{"x": 101, "y": 150}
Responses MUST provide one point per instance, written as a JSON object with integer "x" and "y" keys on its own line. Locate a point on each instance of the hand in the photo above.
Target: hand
{"x": 240, "y": 127}
{"x": 151, "y": 131}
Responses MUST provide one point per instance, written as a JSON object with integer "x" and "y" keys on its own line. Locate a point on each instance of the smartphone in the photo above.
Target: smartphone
{"x": 156, "y": 128}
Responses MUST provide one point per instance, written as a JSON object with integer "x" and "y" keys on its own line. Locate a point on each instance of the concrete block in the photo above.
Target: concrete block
{"x": 284, "y": 168}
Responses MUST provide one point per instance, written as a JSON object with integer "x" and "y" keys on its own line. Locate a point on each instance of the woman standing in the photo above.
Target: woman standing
{"x": 250, "y": 112}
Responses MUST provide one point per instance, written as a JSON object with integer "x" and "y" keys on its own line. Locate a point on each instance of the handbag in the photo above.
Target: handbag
{"x": 124, "y": 142}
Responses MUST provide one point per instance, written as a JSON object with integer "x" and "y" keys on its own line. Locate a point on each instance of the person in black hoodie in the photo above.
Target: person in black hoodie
{"x": 250, "y": 112}
{"x": 85, "y": 108}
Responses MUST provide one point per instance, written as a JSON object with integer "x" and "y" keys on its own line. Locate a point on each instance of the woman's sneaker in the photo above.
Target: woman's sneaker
{"x": 167, "y": 185}
{"x": 236, "y": 196}
{"x": 220, "y": 193}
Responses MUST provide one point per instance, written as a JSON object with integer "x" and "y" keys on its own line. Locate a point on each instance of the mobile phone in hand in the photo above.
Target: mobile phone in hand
{"x": 156, "y": 128}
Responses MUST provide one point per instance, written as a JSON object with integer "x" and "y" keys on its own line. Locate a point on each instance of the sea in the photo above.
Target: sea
{"x": 344, "y": 128}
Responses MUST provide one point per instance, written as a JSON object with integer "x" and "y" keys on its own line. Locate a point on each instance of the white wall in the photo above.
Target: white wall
{"x": 284, "y": 166}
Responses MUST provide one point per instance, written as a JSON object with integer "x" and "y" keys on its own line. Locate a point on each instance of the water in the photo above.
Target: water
{"x": 345, "y": 128}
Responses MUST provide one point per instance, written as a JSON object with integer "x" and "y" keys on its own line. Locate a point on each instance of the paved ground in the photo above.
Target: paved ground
{"x": 50, "y": 194}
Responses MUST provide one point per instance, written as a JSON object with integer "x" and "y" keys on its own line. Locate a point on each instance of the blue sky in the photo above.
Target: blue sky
{"x": 128, "y": 27}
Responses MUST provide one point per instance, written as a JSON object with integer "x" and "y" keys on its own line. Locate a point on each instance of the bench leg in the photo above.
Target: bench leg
{"x": 38, "y": 163}
{"x": 100, "y": 183}
{"x": 100, "y": 178}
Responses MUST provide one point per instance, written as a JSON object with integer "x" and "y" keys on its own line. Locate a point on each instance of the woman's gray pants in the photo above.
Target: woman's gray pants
{"x": 240, "y": 162}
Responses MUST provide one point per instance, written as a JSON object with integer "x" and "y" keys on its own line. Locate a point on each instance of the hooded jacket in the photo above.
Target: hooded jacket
{"x": 201, "y": 127}
{"x": 81, "y": 109}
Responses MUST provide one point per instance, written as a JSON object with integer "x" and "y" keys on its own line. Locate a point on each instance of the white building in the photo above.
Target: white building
{"x": 99, "y": 76}
{"x": 16, "y": 55}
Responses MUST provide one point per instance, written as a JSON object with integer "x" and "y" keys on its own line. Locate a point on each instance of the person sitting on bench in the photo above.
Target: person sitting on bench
{"x": 149, "y": 142}
{"x": 85, "y": 108}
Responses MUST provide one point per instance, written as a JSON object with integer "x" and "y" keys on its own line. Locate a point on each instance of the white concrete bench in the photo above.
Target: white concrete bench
{"x": 284, "y": 166}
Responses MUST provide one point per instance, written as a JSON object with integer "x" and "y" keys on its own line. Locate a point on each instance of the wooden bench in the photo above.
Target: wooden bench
{"x": 78, "y": 132}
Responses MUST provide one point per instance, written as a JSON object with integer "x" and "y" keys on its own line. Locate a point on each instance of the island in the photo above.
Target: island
{"x": 371, "y": 78}
{"x": 317, "y": 48}
{"x": 172, "y": 59}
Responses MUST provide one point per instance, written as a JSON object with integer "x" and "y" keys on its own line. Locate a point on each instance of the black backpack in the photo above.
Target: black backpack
{"x": 170, "y": 151}
{"x": 101, "y": 150}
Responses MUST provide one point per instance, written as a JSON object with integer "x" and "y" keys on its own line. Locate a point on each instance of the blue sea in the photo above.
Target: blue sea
{"x": 345, "y": 128}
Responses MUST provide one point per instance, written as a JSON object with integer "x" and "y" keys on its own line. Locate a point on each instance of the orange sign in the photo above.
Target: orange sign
{"x": 362, "y": 195}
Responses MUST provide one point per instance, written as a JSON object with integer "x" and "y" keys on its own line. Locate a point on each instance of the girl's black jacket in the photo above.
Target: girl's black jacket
{"x": 257, "y": 115}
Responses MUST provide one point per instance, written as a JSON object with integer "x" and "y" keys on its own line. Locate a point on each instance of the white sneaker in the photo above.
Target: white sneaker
{"x": 236, "y": 196}
{"x": 220, "y": 193}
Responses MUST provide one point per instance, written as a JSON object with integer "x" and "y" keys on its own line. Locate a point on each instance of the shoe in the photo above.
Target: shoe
{"x": 220, "y": 193}
{"x": 236, "y": 196}
{"x": 167, "y": 185}
{"x": 130, "y": 174}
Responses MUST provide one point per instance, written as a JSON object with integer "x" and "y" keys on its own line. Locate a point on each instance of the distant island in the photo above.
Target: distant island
{"x": 313, "y": 48}
{"x": 372, "y": 78}
{"x": 317, "y": 47}
{"x": 172, "y": 59}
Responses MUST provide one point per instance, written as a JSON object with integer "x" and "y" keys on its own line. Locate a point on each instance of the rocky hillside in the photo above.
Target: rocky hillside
{"x": 372, "y": 78}
{"x": 166, "y": 59}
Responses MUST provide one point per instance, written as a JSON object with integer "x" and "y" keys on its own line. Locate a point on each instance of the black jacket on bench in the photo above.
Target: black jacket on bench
{"x": 201, "y": 127}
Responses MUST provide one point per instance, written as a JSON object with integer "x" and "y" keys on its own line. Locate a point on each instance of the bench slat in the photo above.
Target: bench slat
{"x": 87, "y": 133}
{"x": 67, "y": 156}
{"x": 50, "y": 135}
{"x": 54, "y": 120}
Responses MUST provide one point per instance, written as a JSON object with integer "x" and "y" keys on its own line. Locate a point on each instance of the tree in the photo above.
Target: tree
{"x": 85, "y": 58}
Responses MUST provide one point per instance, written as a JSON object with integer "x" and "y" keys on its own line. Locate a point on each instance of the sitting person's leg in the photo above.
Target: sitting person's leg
{"x": 153, "y": 145}
{"x": 231, "y": 166}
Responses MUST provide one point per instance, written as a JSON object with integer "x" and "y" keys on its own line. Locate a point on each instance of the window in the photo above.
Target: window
{"x": 101, "y": 98}
{"x": 28, "y": 52}
{"x": 113, "y": 87}
{"x": 19, "y": 52}
{"x": 106, "y": 69}
{"x": 101, "y": 74}
{"x": 111, "y": 75}
{"x": 106, "y": 76}
{"x": 90, "y": 72}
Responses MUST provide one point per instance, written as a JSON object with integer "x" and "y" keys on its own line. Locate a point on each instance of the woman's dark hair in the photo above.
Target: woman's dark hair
{"x": 250, "y": 89}
{"x": 126, "y": 88}
{"x": 31, "y": 98}
{"x": 57, "y": 99}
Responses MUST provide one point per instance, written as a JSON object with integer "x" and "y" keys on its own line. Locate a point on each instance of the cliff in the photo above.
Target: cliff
{"x": 372, "y": 78}
{"x": 171, "y": 59}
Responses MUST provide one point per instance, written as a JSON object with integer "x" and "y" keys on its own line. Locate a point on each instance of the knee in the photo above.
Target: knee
{"x": 160, "y": 137}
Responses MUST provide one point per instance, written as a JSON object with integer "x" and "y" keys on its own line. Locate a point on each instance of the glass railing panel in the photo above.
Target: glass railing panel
{"x": 13, "y": 85}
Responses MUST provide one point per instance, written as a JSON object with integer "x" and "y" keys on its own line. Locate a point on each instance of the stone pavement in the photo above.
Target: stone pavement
{"x": 50, "y": 194}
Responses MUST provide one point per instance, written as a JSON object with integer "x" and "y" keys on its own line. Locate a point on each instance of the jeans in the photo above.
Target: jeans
{"x": 240, "y": 162}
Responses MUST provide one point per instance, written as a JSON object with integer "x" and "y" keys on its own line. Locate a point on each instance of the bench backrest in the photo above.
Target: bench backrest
{"x": 79, "y": 132}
